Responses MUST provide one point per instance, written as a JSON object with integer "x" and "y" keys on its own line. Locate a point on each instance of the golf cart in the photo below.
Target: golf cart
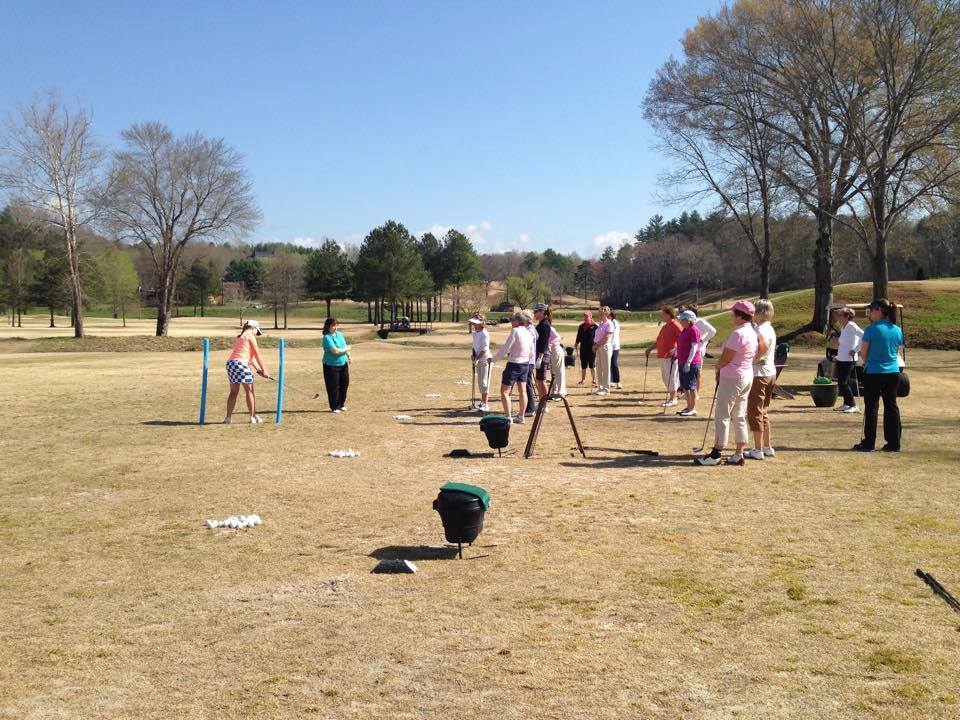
{"x": 827, "y": 366}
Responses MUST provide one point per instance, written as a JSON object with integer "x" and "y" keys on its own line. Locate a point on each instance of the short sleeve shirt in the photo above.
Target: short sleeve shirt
{"x": 763, "y": 365}
{"x": 667, "y": 338}
{"x": 330, "y": 341}
{"x": 743, "y": 342}
{"x": 885, "y": 340}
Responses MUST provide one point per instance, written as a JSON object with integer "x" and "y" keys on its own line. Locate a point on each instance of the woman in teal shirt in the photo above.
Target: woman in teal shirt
{"x": 879, "y": 351}
{"x": 336, "y": 365}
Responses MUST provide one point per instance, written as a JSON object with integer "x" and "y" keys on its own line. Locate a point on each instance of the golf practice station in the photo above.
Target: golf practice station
{"x": 480, "y": 361}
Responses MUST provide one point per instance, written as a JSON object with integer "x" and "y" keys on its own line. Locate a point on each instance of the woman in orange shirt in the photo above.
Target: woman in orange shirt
{"x": 666, "y": 348}
{"x": 244, "y": 359}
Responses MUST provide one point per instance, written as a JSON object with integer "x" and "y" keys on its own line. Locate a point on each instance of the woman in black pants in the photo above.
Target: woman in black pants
{"x": 336, "y": 365}
{"x": 879, "y": 349}
{"x": 586, "y": 333}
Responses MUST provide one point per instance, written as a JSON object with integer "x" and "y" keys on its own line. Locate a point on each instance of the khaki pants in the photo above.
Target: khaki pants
{"x": 731, "y": 407}
{"x": 604, "y": 358}
{"x": 483, "y": 375}
{"x": 761, "y": 393}
{"x": 670, "y": 374}
{"x": 558, "y": 372}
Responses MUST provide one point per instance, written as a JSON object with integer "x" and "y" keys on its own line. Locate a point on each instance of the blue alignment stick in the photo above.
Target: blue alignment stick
{"x": 203, "y": 384}
{"x": 279, "y": 418}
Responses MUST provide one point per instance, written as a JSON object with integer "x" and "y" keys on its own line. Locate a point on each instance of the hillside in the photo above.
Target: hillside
{"x": 931, "y": 312}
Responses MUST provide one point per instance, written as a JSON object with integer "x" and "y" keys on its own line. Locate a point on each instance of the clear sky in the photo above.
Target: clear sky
{"x": 518, "y": 122}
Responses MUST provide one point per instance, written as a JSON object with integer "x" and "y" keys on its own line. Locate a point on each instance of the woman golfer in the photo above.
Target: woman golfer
{"x": 666, "y": 347}
{"x": 764, "y": 377}
{"x": 848, "y": 353}
{"x": 244, "y": 360}
{"x": 689, "y": 360}
{"x": 734, "y": 380}
{"x": 519, "y": 351}
{"x": 880, "y": 347}
{"x": 603, "y": 351}
{"x": 481, "y": 351}
{"x": 336, "y": 365}
{"x": 584, "y": 342}
{"x": 615, "y": 358}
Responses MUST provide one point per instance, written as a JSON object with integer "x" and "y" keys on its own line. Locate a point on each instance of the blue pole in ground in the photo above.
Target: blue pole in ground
{"x": 203, "y": 383}
{"x": 279, "y": 418}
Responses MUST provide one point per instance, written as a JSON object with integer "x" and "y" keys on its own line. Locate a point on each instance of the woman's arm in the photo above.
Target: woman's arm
{"x": 506, "y": 347}
{"x": 255, "y": 359}
{"x": 762, "y": 346}
{"x": 864, "y": 352}
{"x": 726, "y": 357}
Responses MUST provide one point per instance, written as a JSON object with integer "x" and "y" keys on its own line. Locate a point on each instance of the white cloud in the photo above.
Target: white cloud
{"x": 612, "y": 238}
{"x": 524, "y": 238}
{"x": 477, "y": 232}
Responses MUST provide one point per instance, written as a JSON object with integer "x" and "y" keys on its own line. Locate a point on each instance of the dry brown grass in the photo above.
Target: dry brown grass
{"x": 613, "y": 587}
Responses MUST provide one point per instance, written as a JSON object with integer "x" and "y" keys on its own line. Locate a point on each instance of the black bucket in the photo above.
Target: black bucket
{"x": 497, "y": 430}
{"x": 461, "y": 511}
{"x": 569, "y": 360}
{"x": 903, "y": 385}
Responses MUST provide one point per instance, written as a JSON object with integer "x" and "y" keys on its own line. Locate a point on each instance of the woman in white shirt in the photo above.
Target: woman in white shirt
{"x": 764, "y": 377}
{"x": 615, "y": 358}
{"x": 848, "y": 356}
{"x": 519, "y": 351}
{"x": 707, "y": 332}
{"x": 481, "y": 351}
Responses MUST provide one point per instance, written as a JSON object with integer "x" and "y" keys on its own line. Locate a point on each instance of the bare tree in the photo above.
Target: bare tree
{"x": 170, "y": 190}
{"x": 904, "y": 128}
{"x": 53, "y": 168}
{"x": 284, "y": 281}
{"x": 711, "y": 118}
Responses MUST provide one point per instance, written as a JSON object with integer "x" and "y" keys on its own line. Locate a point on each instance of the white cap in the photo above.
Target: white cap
{"x": 253, "y": 324}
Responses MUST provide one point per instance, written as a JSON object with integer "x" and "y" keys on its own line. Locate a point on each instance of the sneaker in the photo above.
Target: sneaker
{"x": 255, "y": 420}
{"x": 519, "y": 420}
{"x": 337, "y": 411}
{"x": 754, "y": 454}
{"x": 228, "y": 420}
{"x": 343, "y": 409}
{"x": 531, "y": 413}
{"x": 687, "y": 412}
{"x": 890, "y": 448}
{"x": 851, "y": 409}
{"x": 602, "y": 393}
{"x": 482, "y": 407}
{"x": 769, "y": 452}
{"x": 735, "y": 459}
{"x": 713, "y": 458}
{"x": 618, "y": 386}
{"x": 860, "y": 447}
{"x": 669, "y": 403}
{"x": 842, "y": 408}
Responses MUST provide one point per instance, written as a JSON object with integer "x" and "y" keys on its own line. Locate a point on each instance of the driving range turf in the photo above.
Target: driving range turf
{"x": 619, "y": 586}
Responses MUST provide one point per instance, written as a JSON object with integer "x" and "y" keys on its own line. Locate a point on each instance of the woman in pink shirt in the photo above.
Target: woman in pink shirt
{"x": 244, "y": 360}
{"x": 734, "y": 380}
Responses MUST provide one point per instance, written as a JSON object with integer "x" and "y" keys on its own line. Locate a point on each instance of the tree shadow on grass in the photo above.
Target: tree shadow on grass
{"x": 632, "y": 461}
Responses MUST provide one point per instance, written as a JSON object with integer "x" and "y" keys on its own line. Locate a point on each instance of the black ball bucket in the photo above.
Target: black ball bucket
{"x": 497, "y": 430}
{"x": 903, "y": 385}
{"x": 461, "y": 509}
{"x": 569, "y": 360}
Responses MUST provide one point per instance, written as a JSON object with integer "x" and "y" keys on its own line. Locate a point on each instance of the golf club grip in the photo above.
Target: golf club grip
{"x": 939, "y": 589}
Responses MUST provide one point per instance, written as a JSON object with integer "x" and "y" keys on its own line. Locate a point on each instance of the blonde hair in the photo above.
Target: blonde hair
{"x": 606, "y": 310}
{"x": 763, "y": 310}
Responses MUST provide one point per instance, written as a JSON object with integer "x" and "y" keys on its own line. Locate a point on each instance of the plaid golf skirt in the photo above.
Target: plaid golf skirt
{"x": 239, "y": 372}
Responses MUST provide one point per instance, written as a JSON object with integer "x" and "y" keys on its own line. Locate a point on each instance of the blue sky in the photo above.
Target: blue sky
{"x": 517, "y": 122}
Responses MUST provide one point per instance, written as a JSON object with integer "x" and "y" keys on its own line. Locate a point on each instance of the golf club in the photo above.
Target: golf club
{"x": 473, "y": 383}
{"x": 288, "y": 386}
{"x": 856, "y": 395}
{"x": 939, "y": 589}
{"x": 646, "y": 367}
{"x": 709, "y": 417}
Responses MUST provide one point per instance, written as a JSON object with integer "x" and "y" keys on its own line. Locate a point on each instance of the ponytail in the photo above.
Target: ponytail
{"x": 889, "y": 309}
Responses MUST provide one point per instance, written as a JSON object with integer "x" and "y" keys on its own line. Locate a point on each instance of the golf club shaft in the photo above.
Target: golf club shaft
{"x": 706, "y": 428}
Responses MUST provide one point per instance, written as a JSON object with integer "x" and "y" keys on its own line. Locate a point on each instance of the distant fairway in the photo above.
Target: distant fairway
{"x": 619, "y": 586}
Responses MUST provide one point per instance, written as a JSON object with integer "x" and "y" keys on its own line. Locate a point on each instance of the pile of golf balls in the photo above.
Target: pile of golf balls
{"x": 235, "y": 523}
{"x": 461, "y": 382}
{"x": 402, "y": 417}
{"x": 349, "y": 452}
{"x": 432, "y": 395}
